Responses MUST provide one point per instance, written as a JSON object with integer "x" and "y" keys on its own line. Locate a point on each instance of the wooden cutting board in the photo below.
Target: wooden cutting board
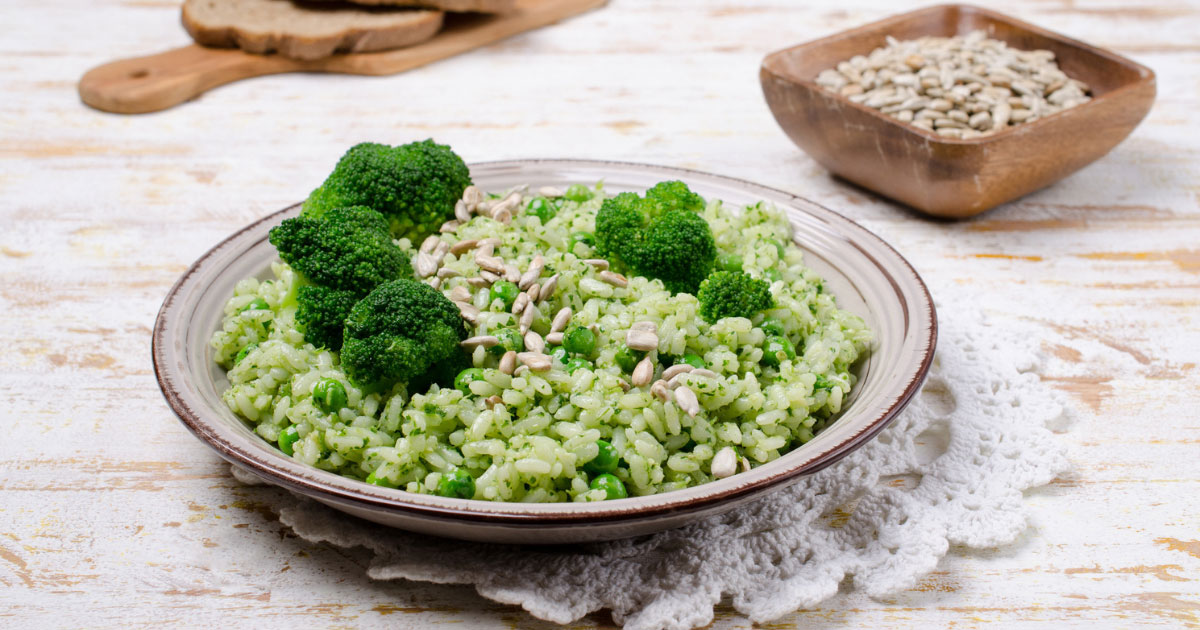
{"x": 149, "y": 84}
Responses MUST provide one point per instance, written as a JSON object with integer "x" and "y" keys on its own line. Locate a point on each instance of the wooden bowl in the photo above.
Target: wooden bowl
{"x": 948, "y": 177}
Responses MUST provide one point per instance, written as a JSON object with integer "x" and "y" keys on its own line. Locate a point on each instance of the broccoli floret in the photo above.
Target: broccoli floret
{"x": 619, "y": 225}
{"x": 403, "y": 331}
{"x": 322, "y": 312}
{"x": 678, "y": 249}
{"x": 340, "y": 258}
{"x": 659, "y": 236}
{"x": 347, "y": 249}
{"x": 733, "y": 294}
{"x": 674, "y": 195}
{"x": 414, "y": 186}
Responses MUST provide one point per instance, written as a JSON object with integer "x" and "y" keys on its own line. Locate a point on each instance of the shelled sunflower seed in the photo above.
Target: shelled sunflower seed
{"x": 960, "y": 87}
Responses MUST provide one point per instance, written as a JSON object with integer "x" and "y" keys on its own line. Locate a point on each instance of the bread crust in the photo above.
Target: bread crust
{"x": 305, "y": 32}
{"x": 463, "y": 6}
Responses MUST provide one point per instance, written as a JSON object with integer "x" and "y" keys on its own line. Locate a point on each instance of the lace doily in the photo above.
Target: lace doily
{"x": 950, "y": 470}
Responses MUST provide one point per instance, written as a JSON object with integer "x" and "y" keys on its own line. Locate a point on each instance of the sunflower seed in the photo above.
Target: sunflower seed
{"x": 520, "y": 303}
{"x": 436, "y": 283}
{"x": 508, "y": 204}
{"x": 425, "y": 265}
{"x": 490, "y": 263}
{"x": 548, "y": 287}
{"x": 462, "y": 211}
{"x": 460, "y": 294}
{"x": 511, "y": 273}
{"x": 446, "y": 272}
{"x": 615, "y": 279}
{"x": 676, "y": 370}
{"x": 703, "y": 373}
{"x": 449, "y": 226}
{"x": 472, "y": 196}
{"x": 503, "y": 215}
{"x": 534, "y": 292}
{"x": 534, "y": 272}
{"x": 486, "y": 341}
{"x": 429, "y": 243}
{"x": 643, "y": 373}
{"x": 724, "y": 463}
{"x": 478, "y": 283}
{"x": 660, "y": 391}
{"x": 488, "y": 276}
{"x": 536, "y": 361}
{"x": 641, "y": 340}
{"x": 534, "y": 342}
{"x": 686, "y": 399}
{"x": 508, "y": 362}
{"x": 561, "y": 319}
{"x": 554, "y": 338}
{"x": 550, "y": 192}
{"x": 598, "y": 263}
{"x": 493, "y": 401}
{"x": 527, "y": 317}
{"x": 956, "y": 76}
{"x": 463, "y": 246}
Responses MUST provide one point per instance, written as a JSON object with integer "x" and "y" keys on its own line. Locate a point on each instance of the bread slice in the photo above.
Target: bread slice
{"x": 462, "y": 6}
{"x": 308, "y": 30}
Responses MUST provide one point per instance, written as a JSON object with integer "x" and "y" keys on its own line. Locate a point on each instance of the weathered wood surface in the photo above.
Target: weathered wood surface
{"x": 112, "y": 516}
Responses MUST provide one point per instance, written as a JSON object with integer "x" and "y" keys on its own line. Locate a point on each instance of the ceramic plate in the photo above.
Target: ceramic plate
{"x": 866, "y": 275}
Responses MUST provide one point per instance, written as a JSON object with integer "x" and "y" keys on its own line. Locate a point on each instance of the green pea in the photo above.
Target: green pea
{"x": 258, "y": 304}
{"x": 578, "y": 192}
{"x": 579, "y": 340}
{"x": 587, "y": 238}
{"x": 287, "y": 440}
{"x": 772, "y": 275}
{"x": 380, "y": 481}
{"x": 776, "y": 349}
{"x": 510, "y": 339}
{"x": 505, "y": 291}
{"x": 243, "y": 352}
{"x": 772, "y": 326}
{"x": 329, "y": 395}
{"x": 729, "y": 262}
{"x": 457, "y": 483}
{"x": 541, "y": 208}
{"x": 612, "y": 487}
{"x": 628, "y": 358}
{"x": 605, "y": 461}
{"x": 693, "y": 360}
{"x": 559, "y": 355}
{"x": 576, "y": 363}
{"x": 463, "y": 381}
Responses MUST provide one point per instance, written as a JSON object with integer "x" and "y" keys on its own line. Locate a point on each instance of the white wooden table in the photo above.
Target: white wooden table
{"x": 113, "y": 516}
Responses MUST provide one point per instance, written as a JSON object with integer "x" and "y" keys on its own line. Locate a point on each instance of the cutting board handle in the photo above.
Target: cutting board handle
{"x": 156, "y": 82}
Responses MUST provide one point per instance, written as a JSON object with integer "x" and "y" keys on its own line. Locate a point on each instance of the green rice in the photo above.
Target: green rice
{"x": 532, "y": 447}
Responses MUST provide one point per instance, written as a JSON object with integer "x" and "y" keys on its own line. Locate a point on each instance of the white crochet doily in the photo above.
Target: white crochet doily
{"x": 976, "y": 437}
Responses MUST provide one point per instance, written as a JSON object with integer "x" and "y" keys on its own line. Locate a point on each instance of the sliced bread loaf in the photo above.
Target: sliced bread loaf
{"x": 462, "y": 6}
{"x": 306, "y": 30}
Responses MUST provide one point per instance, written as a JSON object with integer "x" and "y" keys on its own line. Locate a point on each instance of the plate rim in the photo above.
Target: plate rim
{"x": 331, "y": 487}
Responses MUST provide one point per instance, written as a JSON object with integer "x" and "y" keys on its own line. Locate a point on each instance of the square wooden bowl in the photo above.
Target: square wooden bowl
{"x": 949, "y": 177}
